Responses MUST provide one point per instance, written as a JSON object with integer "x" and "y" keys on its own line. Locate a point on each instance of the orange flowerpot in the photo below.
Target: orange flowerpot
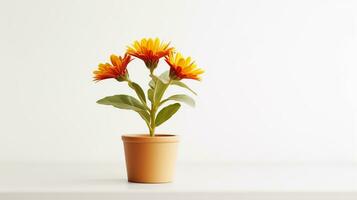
{"x": 150, "y": 159}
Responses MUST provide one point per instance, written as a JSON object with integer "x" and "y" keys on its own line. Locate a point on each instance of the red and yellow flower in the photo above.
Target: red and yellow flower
{"x": 150, "y": 51}
{"x": 183, "y": 68}
{"x": 116, "y": 70}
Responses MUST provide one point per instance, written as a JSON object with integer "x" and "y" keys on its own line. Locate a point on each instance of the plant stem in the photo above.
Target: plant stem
{"x": 154, "y": 107}
{"x": 152, "y": 120}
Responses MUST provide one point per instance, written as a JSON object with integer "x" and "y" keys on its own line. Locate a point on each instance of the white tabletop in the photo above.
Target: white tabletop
{"x": 193, "y": 181}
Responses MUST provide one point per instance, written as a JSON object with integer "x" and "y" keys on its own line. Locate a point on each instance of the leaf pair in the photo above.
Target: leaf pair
{"x": 157, "y": 94}
{"x": 168, "y": 111}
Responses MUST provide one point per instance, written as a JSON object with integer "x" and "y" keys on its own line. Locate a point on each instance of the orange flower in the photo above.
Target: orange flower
{"x": 181, "y": 68}
{"x": 150, "y": 51}
{"x": 115, "y": 70}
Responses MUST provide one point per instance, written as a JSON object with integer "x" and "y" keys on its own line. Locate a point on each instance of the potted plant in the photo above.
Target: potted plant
{"x": 150, "y": 158}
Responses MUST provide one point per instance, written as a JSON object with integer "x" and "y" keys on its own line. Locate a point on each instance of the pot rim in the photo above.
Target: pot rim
{"x": 146, "y": 138}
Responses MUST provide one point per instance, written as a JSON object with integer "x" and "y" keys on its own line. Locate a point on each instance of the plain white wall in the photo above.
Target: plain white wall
{"x": 280, "y": 81}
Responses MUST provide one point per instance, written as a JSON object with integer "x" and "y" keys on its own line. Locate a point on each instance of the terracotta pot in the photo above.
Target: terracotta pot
{"x": 150, "y": 159}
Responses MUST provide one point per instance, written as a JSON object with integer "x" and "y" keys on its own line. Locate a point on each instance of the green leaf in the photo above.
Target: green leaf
{"x": 166, "y": 113}
{"x": 138, "y": 90}
{"x": 182, "y": 98}
{"x": 165, "y": 77}
{"x": 145, "y": 115}
{"x": 127, "y": 102}
{"x": 159, "y": 90}
{"x": 123, "y": 101}
{"x": 150, "y": 94}
{"x": 183, "y": 85}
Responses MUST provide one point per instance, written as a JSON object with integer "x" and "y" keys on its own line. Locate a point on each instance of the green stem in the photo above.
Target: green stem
{"x": 153, "y": 110}
{"x": 152, "y": 120}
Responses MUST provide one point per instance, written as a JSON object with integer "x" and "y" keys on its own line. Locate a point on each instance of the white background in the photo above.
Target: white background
{"x": 280, "y": 82}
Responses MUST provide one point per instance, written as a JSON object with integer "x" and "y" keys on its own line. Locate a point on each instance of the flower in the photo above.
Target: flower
{"x": 150, "y": 51}
{"x": 181, "y": 68}
{"x": 115, "y": 70}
